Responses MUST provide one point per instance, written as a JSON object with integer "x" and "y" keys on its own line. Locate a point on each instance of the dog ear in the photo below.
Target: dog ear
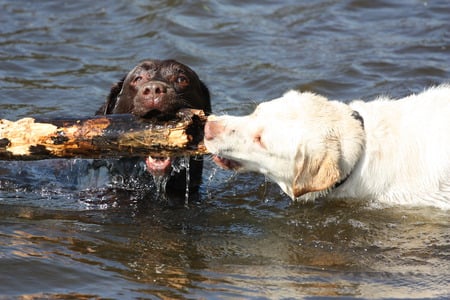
{"x": 315, "y": 174}
{"x": 207, "y": 98}
{"x": 111, "y": 100}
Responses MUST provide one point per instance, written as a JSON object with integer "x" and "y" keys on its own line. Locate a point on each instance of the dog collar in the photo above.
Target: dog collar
{"x": 339, "y": 183}
{"x": 358, "y": 117}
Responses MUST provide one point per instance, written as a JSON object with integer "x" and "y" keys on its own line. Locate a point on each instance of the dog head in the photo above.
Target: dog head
{"x": 302, "y": 141}
{"x": 157, "y": 86}
{"x": 154, "y": 88}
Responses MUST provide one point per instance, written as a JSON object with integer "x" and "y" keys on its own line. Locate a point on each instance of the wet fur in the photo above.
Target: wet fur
{"x": 397, "y": 152}
{"x": 183, "y": 99}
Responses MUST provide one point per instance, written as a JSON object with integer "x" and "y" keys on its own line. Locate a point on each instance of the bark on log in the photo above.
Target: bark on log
{"x": 102, "y": 137}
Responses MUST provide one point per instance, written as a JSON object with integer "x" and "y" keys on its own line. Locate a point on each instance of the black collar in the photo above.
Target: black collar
{"x": 358, "y": 117}
{"x": 339, "y": 183}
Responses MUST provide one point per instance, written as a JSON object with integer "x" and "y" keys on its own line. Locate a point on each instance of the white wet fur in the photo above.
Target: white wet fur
{"x": 308, "y": 144}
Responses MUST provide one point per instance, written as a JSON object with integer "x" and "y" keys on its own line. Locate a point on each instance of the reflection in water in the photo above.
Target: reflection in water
{"x": 234, "y": 246}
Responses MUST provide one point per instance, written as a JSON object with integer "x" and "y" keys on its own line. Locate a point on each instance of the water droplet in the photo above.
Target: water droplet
{"x": 188, "y": 181}
{"x": 160, "y": 184}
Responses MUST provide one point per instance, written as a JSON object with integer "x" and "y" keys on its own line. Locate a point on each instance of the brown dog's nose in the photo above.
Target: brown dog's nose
{"x": 213, "y": 129}
{"x": 154, "y": 88}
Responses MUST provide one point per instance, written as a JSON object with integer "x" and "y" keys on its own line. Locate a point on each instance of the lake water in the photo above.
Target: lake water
{"x": 71, "y": 231}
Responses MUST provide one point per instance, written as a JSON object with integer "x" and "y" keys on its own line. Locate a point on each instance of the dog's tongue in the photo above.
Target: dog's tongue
{"x": 158, "y": 165}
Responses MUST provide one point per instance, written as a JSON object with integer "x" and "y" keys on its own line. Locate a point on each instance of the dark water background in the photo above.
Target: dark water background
{"x": 67, "y": 231}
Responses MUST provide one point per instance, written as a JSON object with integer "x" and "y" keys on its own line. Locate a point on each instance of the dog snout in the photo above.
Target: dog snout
{"x": 213, "y": 129}
{"x": 154, "y": 89}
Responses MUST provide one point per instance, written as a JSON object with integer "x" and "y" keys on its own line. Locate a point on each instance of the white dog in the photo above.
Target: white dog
{"x": 395, "y": 152}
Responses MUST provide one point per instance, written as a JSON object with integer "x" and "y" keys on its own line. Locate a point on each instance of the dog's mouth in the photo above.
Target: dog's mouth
{"x": 158, "y": 165}
{"x": 226, "y": 163}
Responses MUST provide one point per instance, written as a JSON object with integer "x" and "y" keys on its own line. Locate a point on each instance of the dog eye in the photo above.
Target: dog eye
{"x": 137, "y": 79}
{"x": 182, "y": 80}
{"x": 257, "y": 139}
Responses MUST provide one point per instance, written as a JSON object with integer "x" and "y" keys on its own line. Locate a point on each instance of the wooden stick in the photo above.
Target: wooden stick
{"x": 102, "y": 137}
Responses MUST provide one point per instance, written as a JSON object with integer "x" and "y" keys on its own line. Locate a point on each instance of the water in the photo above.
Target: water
{"x": 81, "y": 229}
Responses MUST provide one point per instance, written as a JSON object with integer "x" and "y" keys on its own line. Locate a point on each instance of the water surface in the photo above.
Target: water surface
{"x": 70, "y": 228}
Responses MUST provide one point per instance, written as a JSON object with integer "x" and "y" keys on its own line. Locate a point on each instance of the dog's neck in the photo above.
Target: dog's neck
{"x": 355, "y": 114}
{"x": 323, "y": 193}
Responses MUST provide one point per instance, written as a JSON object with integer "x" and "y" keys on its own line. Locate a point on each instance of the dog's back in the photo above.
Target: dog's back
{"x": 407, "y": 152}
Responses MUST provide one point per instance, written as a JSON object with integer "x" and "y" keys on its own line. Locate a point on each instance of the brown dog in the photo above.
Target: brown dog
{"x": 161, "y": 87}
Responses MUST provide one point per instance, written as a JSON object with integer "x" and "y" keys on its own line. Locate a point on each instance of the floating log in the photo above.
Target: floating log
{"x": 103, "y": 137}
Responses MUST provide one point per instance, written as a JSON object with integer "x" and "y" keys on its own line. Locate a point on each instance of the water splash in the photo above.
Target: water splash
{"x": 97, "y": 184}
{"x": 178, "y": 165}
{"x": 264, "y": 189}
{"x": 160, "y": 184}
{"x": 188, "y": 182}
{"x": 210, "y": 180}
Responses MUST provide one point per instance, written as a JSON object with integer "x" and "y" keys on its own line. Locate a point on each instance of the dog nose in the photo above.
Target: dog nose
{"x": 213, "y": 129}
{"x": 154, "y": 88}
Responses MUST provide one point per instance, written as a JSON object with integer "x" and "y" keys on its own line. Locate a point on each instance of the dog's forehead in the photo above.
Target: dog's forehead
{"x": 147, "y": 65}
{"x": 175, "y": 67}
{"x": 163, "y": 67}
{"x": 139, "y": 70}
{"x": 292, "y": 105}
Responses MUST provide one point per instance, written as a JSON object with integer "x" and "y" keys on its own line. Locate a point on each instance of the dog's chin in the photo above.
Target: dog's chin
{"x": 158, "y": 165}
{"x": 150, "y": 114}
{"x": 226, "y": 163}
